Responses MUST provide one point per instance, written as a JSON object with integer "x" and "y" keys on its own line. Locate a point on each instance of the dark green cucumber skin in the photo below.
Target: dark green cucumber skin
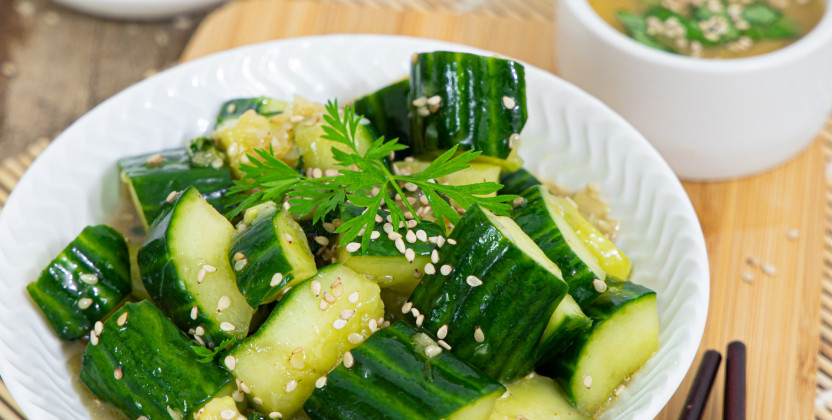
{"x": 383, "y": 246}
{"x": 98, "y": 250}
{"x": 512, "y": 306}
{"x": 153, "y": 183}
{"x": 533, "y": 217}
{"x": 393, "y": 379}
{"x": 618, "y": 294}
{"x": 554, "y": 345}
{"x": 159, "y": 367}
{"x": 240, "y": 106}
{"x": 261, "y": 246}
{"x": 203, "y": 152}
{"x": 471, "y": 114}
{"x": 518, "y": 181}
{"x": 160, "y": 277}
{"x": 387, "y": 109}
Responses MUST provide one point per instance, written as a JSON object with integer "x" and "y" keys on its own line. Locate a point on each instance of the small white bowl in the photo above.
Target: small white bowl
{"x": 710, "y": 119}
{"x": 139, "y": 9}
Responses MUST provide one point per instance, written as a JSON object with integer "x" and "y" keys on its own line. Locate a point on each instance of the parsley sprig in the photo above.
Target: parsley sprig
{"x": 206, "y": 355}
{"x": 366, "y": 182}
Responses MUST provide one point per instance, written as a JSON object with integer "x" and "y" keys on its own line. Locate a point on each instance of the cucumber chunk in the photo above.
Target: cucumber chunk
{"x": 535, "y": 397}
{"x": 398, "y": 374}
{"x": 84, "y": 283}
{"x": 317, "y": 151}
{"x": 184, "y": 266}
{"x": 300, "y": 342}
{"x": 565, "y": 324}
{"x": 151, "y": 178}
{"x": 623, "y": 337}
{"x": 493, "y": 292}
{"x": 480, "y": 105}
{"x": 222, "y": 408}
{"x": 231, "y": 110}
{"x": 141, "y": 363}
{"x": 387, "y": 109}
{"x": 541, "y": 218}
{"x": 517, "y": 181}
{"x": 271, "y": 253}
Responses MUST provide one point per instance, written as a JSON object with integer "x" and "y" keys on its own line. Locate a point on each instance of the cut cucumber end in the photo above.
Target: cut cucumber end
{"x": 535, "y": 397}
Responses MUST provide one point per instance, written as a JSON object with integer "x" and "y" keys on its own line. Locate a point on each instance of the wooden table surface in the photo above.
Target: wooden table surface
{"x": 56, "y": 64}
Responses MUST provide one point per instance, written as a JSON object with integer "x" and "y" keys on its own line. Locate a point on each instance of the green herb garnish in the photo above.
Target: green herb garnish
{"x": 207, "y": 355}
{"x": 365, "y": 182}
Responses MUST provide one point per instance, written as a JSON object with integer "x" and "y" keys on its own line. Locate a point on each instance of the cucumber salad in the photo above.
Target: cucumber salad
{"x": 386, "y": 259}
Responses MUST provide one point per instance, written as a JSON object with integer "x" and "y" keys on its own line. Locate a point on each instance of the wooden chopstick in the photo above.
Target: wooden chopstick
{"x": 734, "y": 403}
{"x": 701, "y": 388}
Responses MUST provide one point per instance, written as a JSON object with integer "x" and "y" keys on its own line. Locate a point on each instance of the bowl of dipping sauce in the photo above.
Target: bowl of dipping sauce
{"x": 723, "y": 89}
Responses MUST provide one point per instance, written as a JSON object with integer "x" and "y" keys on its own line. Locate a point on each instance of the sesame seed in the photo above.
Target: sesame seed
{"x": 410, "y": 236}
{"x": 277, "y": 278}
{"x": 440, "y": 241}
{"x": 400, "y": 245}
{"x": 452, "y": 241}
{"x": 373, "y": 325}
{"x": 322, "y": 240}
{"x": 172, "y": 196}
{"x": 89, "y": 278}
{"x": 420, "y": 102}
{"x": 473, "y": 281}
{"x": 509, "y": 102}
{"x": 387, "y": 228}
{"x": 328, "y": 227}
{"x": 94, "y": 338}
{"x": 446, "y": 269}
{"x": 513, "y": 141}
{"x": 321, "y": 382}
{"x": 339, "y": 323}
{"x": 156, "y": 159}
{"x": 98, "y": 327}
{"x": 411, "y": 224}
{"x": 769, "y": 269}
{"x": 315, "y": 285}
{"x": 406, "y": 307}
{"x": 748, "y": 277}
{"x": 194, "y": 312}
{"x": 223, "y": 303}
{"x": 230, "y": 362}
{"x": 84, "y": 303}
{"x": 375, "y": 235}
{"x": 239, "y": 256}
{"x": 599, "y": 285}
{"x": 329, "y": 298}
{"x": 288, "y": 238}
{"x": 122, "y": 319}
{"x": 145, "y": 417}
{"x": 421, "y": 235}
{"x": 409, "y": 216}
{"x": 519, "y": 201}
{"x": 355, "y": 338}
{"x": 410, "y": 255}
{"x": 239, "y": 265}
{"x": 353, "y": 246}
{"x": 199, "y": 340}
{"x": 323, "y": 305}
{"x": 444, "y": 344}
{"x": 588, "y": 381}
{"x": 199, "y": 330}
{"x": 257, "y": 401}
{"x": 291, "y": 386}
{"x": 348, "y": 360}
{"x": 433, "y": 350}
{"x": 420, "y": 320}
{"x": 353, "y": 298}
{"x": 479, "y": 336}
{"x": 434, "y": 256}
{"x": 385, "y": 324}
{"x": 227, "y": 326}
{"x": 118, "y": 373}
{"x": 347, "y": 314}
{"x": 434, "y": 100}
{"x": 442, "y": 332}
{"x": 411, "y": 186}
{"x": 238, "y": 396}
{"x": 430, "y": 269}
{"x": 415, "y": 312}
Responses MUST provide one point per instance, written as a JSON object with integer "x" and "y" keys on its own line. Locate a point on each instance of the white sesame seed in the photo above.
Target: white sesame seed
{"x": 348, "y": 360}
{"x": 328, "y": 227}
{"x": 239, "y": 256}
{"x": 230, "y": 362}
{"x": 444, "y": 344}
{"x": 244, "y": 388}
{"x": 277, "y": 278}
{"x": 748, "y": 277}
{"x": 410, "y": 186}
{"x": 452, "y": 241}
{"x": 599, "y": 285}
{"x": 434, "y": 100}
{"x": 257, "y": 401}
{"x": 172, "y": 196}
{"x": 239, "y": 265}
{"x": 423, "y": 112}
{"x": 434, "y": 256}
{"x": 84, "y": 303}
{"x": 509, "y": 102}
{"x": 411, "y": 224}
{"x": 315, "y": 285}
{"x": 156, "y": 159}
{"x": 513, "y": 141}
{"x": 291, "y": 386}
{"x": 385, "y": 324}
{"x": 430, "y": 269}
{"x": 145, "y": 417}
{"x": 223, "y": 303}
{"x": 199, "y": 330}
{"x": 421, "y": 235}
{"x": 400, "y": 245}
{"x": 375, "y": 235}
{"x": 122, "y": 319}
{"x": 442, "y": 332}
{"x": 238, "y": 396}
{"x": 446, "y": 269}
{"x": 373, "y": 325}
{"x": 769, "y": 269}
{"x": 322, "y": 240}
{"x": 473, "y": 281}
{"x": 98, "y": 327}
{"x": 410, "y": 236}
{"x": 355, "y": 338}
{"x": 353, "y": 246}
{"x": 353, "y": 298}
{"x": 420, "y": 320}
{"x": 588, "y": 381}
{"x": 194, "y": 312}
{"x": 387, "y": 228}
{"x": 339, "y": 323}
{"x": 410, "y": 255}
{"x": 89, "y": 278}
{"x": 321, "y": 382}
{"x": 433, "y": 350}
{"x": 415, "y": 312}
{"x": 347, "y": 314}
{"x": 93, "y": 338}
{"x": 323, "y": 305}
{"x": 118, "y": 373}
{"x": 440, "y": 241}
{"x": 227, "y": 326}
{"x": 420, "y": 102}
{"x": 407, "y": 307}
{"x": 479, "y": 336}
{"x": 288, "y": 238}
{"x": 199, "y": 340}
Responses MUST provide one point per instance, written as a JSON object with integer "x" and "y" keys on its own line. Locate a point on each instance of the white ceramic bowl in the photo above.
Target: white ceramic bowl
{"x": 570, "y": 138}
{"x": 139, "y": 9}
{"x": 710, "y": 119}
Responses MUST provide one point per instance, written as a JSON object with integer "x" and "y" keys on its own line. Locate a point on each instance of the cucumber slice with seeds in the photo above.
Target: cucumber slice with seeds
{"x": 300, "y": 342}
{"x": 535, "y": 397}
{"x": 231, "y": 110}
{"x": 184, "y": 266}
{"x": 401, "y": 373}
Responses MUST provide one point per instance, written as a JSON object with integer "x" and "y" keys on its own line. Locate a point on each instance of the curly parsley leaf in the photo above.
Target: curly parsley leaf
{"x": 207, "y": 355}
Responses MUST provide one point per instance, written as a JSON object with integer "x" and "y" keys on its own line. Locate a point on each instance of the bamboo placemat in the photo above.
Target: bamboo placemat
{"x": 507, "y": 15}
